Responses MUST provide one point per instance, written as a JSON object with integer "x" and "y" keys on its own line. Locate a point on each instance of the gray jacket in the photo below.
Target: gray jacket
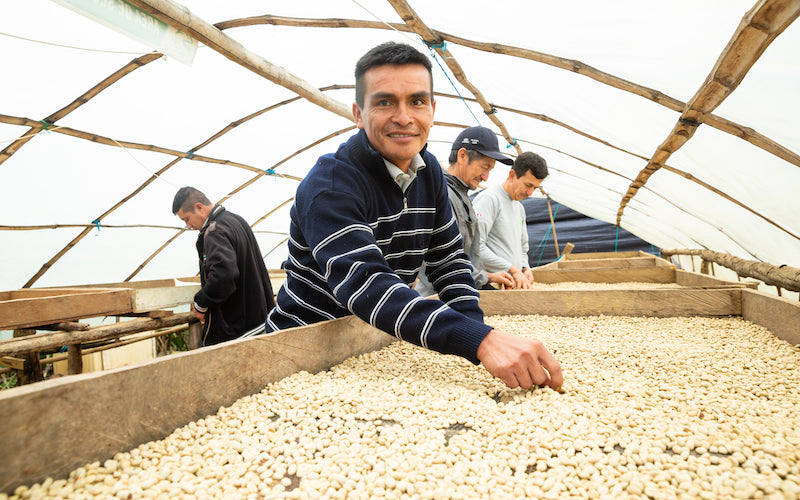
{"x": 458, "y": 193}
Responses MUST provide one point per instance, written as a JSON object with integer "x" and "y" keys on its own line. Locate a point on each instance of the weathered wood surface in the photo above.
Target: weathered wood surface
{"x": 148, "y": 299}
{"x": 688, "y": 278}
{"x": 55, "y": 426}
{"x": 778, "y": 315}
{"x": 57, "y": 307}
{"x": 54, "y": 340}
{"x": 783, "y": 276}
{"x": 643, "y": 274}
{"x": 606, "y": 255}
{"x": 618, "y": 263}
{"x": 642, "y": 302}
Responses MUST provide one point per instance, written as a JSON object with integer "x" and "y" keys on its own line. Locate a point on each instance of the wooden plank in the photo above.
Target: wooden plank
{"x": 779, "y": 315}
{"x": 689, "y": 278}
{"x": 646, "y": 275}
{"x": 120, "y": 409}
{"x": 618, "y": 263}
{"x": 606, "y": 255}
{"x": 11, "y": 362}
{"x": 643, "y": 302}
{"x": 54, "y": 340}
{"x": 30, "y": 312}
{"x": 148, "y": 299}
{"x": 31, "y": 293}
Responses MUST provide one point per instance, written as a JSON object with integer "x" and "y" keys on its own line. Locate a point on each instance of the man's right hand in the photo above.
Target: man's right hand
{"x": 197, "y": 314}
{"x": 521, "y": 281}
{"x": 502, "y": 278}
{"x": 519, "y": 361}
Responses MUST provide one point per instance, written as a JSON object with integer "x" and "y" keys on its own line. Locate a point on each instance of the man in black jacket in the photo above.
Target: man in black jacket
{"x": 235, "y": 293}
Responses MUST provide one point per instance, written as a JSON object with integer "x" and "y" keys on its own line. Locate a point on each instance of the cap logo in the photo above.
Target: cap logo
{"x": 467, "y": 140}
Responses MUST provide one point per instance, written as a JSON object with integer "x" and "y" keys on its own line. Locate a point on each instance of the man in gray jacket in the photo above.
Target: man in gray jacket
{"x": 472, "y": 157}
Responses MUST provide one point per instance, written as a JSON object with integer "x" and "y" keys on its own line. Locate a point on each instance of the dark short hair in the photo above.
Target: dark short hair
{"x": 530, "y": 162}
{"x": 471, "y": 154}
{"x": 388, "y": 53}
{"x": 185, "y": 199}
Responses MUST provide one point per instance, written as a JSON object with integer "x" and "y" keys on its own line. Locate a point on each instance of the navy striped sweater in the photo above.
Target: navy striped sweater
{"x": 357, "y": 242}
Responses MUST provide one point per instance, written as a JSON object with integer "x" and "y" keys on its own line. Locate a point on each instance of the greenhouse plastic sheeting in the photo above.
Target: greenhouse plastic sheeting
{"x": 596, "y": 88}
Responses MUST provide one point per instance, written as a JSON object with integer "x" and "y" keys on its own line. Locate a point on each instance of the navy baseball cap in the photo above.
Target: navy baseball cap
{"x": 482, "y": 140}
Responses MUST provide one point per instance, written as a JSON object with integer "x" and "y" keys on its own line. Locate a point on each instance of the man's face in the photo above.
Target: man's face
{"x": 473, "y": 172}
{"x": 194, "y": 218}
{"x": 523, "y": 187}
{"x": 398, "y": 111}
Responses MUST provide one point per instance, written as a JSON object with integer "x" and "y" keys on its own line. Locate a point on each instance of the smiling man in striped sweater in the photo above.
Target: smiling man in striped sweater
{"x": 366, "y": 217}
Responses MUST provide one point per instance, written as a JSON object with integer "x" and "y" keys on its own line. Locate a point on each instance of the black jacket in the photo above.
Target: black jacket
{"x": 236, "y": 293}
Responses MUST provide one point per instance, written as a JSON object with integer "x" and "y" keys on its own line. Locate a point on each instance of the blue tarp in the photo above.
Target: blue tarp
{"x": 587, "y": 234}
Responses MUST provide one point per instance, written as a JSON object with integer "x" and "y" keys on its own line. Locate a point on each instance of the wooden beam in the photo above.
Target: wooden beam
{"x": 45, "y": 310}
{"x": 616, "y": 263}
{"x": 779, "y": 315}
{"x": 643, "y": 302}
{"x": 56, "y": 441}
{"x": 643, "y": 274}
{"x": 74, "y": 359}
{"x": 12, "y": 362}
{"x": 55, "y": 340}
{"x": 180, "y": 17}
{"x": 31, "y": 368}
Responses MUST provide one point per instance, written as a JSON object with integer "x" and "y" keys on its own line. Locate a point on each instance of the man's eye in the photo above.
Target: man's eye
{"x": 383, "y": 102}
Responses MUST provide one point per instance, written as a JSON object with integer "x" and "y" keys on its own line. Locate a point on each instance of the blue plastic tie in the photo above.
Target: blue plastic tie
{"x": 46, "y": 126}
{"x": 442, "y": 45}
{"x": 433, "y": 54}
{"x": 616, "y": 239}
{"x": 512, "y": 144}
{"x": 190, "y": 155}
{"x": 269, "y": 171}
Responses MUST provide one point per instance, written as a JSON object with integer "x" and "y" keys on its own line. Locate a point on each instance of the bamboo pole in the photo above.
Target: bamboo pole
{"x": 55, "y": 340}
{"x": 757, "y": 30}
{"x": 180, "y": 17}
{"x": 553, "y": 225}
{"x": 79, "y": 101}
{"x": 435, "y": 42}
{"x": 784, "y": 276}
{"x": 112, "y": 345}
{"x": 722, "y": 124}
{"x": 242, "y": 186}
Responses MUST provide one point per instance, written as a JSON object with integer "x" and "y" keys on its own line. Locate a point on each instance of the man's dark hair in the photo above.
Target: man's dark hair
{"x": 185, "y": 199}
{"x": 529, "y": 161}
{"x": 388, "y": 53}
{"x": 472, "y": 155}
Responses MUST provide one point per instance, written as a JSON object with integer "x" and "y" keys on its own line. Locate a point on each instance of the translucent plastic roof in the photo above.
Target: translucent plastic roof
{"x": 678, "y": 120}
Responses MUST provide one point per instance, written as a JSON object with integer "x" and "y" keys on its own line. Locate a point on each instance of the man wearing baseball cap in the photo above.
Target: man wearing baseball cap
{"x": 472, "y": 157}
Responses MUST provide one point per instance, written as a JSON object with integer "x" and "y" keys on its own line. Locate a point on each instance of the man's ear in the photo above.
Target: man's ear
{"x": 357, "y": 115}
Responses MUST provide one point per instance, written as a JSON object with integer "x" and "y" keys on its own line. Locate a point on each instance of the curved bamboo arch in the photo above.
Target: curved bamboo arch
{"x": 758, "y": 29}
{"x": 673, "y": 170}
{"x": 78, "y": 102}
{"x": 722, "y": 124}
{"x": 179, "y": 156}
{"x": 667, "y": 200}
{"x": 240, "y": 188}
{"x": 771, "y": 17}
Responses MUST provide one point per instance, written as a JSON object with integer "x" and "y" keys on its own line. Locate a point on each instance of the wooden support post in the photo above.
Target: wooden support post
{"x": 195, "y": 337}
{"x": 553, "y": 225}
{"x": 74, "y": 359}
{"x": 704, "y": 266}
{"x": 32, "y": 372}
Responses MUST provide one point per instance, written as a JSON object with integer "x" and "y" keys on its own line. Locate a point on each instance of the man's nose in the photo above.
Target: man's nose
{"x": 402, "y": 115}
